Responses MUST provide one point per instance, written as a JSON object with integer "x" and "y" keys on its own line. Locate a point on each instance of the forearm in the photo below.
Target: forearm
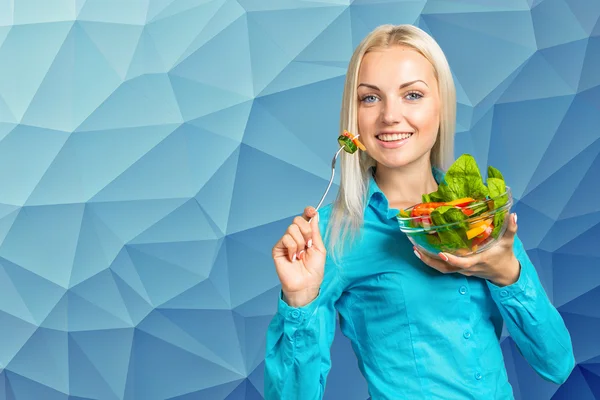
{"x": 297, "y": 356}
{"x": 300, "y": 299}
{"x": 535, "y": 324}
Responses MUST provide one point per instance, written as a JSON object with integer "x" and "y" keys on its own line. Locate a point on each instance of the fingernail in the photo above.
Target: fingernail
{"x": 300, "y": 255}
{"x": 309, "y": 243}
{"x": 443, "y": 256}
{"x": 417, "y": 254}
{"x": 294, "y": 258}
{"x": 515, "y": 217}
{"x": 317, "y": 217}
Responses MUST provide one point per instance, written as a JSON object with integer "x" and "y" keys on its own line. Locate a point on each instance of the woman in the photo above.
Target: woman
{"x": 421, "y": 328}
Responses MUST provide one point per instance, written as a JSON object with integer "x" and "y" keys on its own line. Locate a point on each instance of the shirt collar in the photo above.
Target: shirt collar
{"x": 377, "y": 198}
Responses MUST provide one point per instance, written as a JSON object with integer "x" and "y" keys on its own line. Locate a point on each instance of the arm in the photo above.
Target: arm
{"x": 534, "y": 323}
{"x": 297, "y": 359}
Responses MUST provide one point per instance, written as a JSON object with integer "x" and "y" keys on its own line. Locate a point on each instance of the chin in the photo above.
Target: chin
{"x": 392, "y": 164}
{"x": 399, "y": 160}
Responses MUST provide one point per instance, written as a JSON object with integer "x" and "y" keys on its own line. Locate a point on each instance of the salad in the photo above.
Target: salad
{"x": 465, "y": 212}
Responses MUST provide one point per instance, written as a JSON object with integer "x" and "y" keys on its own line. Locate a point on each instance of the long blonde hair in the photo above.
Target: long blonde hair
{"x": 347, "y": 214}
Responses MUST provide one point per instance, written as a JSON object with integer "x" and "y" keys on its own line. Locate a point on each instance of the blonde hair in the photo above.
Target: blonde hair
{"x": 347, "y": 213}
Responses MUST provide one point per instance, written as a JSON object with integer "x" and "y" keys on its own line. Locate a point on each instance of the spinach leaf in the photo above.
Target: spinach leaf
{"x": 434, "y": 240}
{"x": 494, "y": 173}
{"x": 497, "y": 188}
{"x": 498, "y": 222}
{"x": 462, "y": 179}
{"x": 453, "y": 237}
{"x": 432, "y": 197}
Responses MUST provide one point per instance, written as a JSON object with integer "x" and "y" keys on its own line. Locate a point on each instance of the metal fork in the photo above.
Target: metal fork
{"x": 333, "y": 162}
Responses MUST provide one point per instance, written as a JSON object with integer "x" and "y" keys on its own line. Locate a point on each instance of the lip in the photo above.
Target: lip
{"x": 393, "y": 145}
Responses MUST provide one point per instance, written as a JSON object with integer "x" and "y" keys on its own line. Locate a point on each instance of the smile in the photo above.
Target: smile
{"x": 392, "y": 137}
{"x": 393, "y": 140}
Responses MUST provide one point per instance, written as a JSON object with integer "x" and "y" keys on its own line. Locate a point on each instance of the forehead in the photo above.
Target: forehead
{"x": 397, "y": 63}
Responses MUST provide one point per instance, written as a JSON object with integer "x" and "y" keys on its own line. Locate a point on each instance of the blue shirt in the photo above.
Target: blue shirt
{"x": 417, "y": 333}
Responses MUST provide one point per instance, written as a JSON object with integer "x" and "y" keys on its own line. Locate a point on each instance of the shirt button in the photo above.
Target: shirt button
{"x": 295, "y": 314}
{"x": 463, "y": 290}
{"x": 478, "y": 376}
{"x": 503, "y": 293}
{"x": 467, "y": 334}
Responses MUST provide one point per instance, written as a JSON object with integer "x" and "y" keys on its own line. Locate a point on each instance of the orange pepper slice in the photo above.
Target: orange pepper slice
{"x": 355, "y": 140}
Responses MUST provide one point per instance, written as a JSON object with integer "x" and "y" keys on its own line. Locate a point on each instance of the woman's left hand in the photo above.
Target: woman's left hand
{"x": 497, "y": 264}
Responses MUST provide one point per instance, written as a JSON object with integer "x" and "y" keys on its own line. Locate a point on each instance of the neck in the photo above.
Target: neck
{"x": 404, "y": 186}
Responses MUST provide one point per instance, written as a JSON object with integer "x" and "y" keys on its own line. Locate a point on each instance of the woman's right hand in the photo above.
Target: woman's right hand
{"x": 299, "y": 258}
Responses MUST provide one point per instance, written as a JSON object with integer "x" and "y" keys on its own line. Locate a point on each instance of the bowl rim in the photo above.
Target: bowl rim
{"x": 485, "y": 215}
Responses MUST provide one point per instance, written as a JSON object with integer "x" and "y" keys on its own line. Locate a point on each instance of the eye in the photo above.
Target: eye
{"x": 414, "y": 96}
{"x": 368, "y": 98}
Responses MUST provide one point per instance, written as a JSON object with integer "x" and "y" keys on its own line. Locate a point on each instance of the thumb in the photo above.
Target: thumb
{"x": 316, "y": 234}
{"x": 511, "y": 229}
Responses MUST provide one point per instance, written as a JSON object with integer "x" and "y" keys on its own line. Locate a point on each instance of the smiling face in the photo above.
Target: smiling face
{"x": 398, "y": 106}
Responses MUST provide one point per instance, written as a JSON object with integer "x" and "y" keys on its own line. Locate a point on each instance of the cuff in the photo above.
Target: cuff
{"x": 296, "y": 315}
{"x": 524, "y": 283}
{"x": 502, "y": 293}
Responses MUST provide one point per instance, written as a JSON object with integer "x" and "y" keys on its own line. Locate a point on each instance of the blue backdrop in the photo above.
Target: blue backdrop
{"x": 153, "y": 151}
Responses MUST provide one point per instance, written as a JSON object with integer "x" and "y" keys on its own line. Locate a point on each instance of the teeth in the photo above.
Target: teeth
{"x": 389, "y": 137}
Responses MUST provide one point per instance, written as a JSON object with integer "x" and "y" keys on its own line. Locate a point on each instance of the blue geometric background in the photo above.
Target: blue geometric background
{"x": 153, "y": 151}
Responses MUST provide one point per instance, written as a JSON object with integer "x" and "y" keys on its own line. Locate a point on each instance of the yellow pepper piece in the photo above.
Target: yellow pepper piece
{"x": 471, "y": 233}
{"x": 479, "y": 223}
{"x": 464, "y": 200}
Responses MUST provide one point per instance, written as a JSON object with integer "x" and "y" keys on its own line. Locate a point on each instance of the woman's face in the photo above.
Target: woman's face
{"x": 398, "y": 106}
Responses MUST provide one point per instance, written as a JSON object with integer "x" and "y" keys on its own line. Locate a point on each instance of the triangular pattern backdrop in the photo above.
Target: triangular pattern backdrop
{"x": 152, "y": 152}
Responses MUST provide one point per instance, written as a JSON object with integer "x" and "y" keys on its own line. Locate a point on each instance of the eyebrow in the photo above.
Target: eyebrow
{"x": 401, "y": 86}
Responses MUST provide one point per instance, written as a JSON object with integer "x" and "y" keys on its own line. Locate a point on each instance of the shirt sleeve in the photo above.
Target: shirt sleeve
{"x": 297, "y": 358}
{"x": 534, "y": 323}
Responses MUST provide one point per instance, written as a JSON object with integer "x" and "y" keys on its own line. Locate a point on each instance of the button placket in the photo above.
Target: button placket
{"x": 463, "y": 290}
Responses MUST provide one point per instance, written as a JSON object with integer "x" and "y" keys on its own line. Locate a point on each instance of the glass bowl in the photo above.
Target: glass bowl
{"x": 484, "y": 223}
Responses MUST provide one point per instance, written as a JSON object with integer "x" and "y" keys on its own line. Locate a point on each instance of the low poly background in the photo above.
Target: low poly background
{"x": 153, "y": 151}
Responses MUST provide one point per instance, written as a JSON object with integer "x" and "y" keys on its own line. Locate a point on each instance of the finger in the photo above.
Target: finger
{"x": 441, "y": 266}
{"x": 290, "y": 244}
{"x": 316, "y": 234}
{"x": 294, "y": 232}
{"x": 309, "y": 212}
{"x": 460, "y": 262}
{"x": 305, "y": 230}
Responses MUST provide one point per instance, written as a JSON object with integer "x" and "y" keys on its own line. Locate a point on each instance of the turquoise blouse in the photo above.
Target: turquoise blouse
{"x": 416, "y": 333}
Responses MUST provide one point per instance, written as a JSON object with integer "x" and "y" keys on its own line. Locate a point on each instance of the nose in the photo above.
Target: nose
{"x": 392, "y": 112}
